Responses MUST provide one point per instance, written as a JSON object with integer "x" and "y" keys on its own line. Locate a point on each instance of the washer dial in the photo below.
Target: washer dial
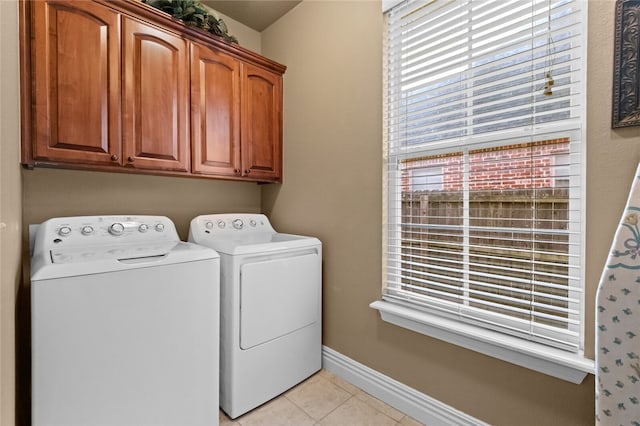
{"x": 64, "y": 231}
{"x": 116, "y": 228}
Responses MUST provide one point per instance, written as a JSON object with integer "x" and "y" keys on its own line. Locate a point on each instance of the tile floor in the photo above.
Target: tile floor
{"x": 324, "y": 400}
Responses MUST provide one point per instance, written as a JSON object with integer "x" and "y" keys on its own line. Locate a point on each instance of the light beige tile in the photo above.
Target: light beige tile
{"x": 317, "y": 396}
{"x": 223, "y": 420}
{"x": 280, "y": 411}
{"x": 408, "y": 421}
{"x": 380, "y": 406}
{"x": 356, "y": 412}
{"x": 337, "y": 380}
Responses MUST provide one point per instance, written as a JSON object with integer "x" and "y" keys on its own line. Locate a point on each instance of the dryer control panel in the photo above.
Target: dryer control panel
{"x": 85, "y": 231}
{"x": 231, "y": 224}
{"x": 244, "y": 233}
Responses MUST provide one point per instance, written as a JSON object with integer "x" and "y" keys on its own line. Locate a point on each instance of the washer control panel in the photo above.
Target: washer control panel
{"x": 83, "y": 231}
{"x": 228, "y": 224}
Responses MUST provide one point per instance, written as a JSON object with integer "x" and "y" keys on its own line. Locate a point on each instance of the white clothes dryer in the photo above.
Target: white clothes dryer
{"x": 270, "y": 306}
{"x": 125, "y": 324}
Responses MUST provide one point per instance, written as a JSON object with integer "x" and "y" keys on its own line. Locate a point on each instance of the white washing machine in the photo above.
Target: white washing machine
{"x": 125, "y": 324}
{"x": 270, "y": 306}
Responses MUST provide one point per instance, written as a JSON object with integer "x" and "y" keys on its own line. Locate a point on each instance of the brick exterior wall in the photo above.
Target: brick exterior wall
{"x": 519, "y": 166}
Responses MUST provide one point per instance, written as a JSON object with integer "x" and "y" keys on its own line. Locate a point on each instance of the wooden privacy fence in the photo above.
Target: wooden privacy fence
{"x": 516, "y": 238}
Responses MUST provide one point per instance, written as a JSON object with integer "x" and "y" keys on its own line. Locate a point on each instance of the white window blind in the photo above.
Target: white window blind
{"x": 489, "y": 95}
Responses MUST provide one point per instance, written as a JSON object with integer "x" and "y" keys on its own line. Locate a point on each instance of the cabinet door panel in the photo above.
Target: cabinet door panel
{"x": 261, "y": 123}
{"x": 215, "y": 112}
{"x": 156, "y": 98}
{"x": 76, "y": 82}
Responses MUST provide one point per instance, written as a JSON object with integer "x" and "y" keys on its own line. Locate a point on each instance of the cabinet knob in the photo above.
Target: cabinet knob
{"x": 236, "y": 171}
{"x": 114, "y": 157}
{"x": 247, "y": 171}
{"x": 131, "y": 159}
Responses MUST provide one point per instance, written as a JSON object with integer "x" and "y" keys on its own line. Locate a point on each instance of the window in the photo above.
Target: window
{"x": 424, "y": 178}
{"x": 484, "y": 101}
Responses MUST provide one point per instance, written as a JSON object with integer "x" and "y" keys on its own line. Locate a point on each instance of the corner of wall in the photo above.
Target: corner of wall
{"x": 247, "y": 37}
{"x": 10, "y": 205}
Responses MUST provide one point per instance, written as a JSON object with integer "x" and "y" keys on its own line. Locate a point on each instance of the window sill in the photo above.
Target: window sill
{"x": 553, "y": 362}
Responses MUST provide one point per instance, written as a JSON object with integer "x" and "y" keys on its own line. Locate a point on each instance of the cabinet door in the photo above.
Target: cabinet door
{"x": 215, "y": 112}
{"x": 261, "y": 124}
{"x": 155, "y": 126}
{"x": 76, "y": 82}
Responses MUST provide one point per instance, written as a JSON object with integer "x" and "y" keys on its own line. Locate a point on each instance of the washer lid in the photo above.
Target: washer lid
{"x": 69, "y": 262}
{"x": 118, "y": 252}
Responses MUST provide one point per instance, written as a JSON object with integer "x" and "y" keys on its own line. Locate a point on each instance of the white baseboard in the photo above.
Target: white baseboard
{"x": 415, "y": 404}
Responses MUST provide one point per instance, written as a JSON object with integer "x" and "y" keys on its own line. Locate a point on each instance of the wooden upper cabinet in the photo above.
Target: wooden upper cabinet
{"x": 76, "y": 83}
{"x": 121, "y": 86}
{"x": 155, "y": 126}
{"x": 215, "y": 112}
{"x": 261, "y": 123}
{"x": 236, "y": 114}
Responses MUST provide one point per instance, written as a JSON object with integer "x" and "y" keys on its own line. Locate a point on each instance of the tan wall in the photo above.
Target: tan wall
{"x": 332, "y": 189}
{"x": 613, "y": 155}
{"x": 10, "y": 208}
{"x": 53, "y": 193}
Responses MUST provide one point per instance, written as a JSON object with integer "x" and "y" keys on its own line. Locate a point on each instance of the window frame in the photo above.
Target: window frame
{"x": 559, "y": 363}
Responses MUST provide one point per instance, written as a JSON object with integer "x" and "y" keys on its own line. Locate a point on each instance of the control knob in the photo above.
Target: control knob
{"x": 143, "y": 228}
{"x": 160, "y": 227}
{"x": 87, "y": 230}
{"x": 116, "y": 229}
{"x": 238, "y": 224}
{"x": 64, "y": 231}
{"x": 209, "y": 225}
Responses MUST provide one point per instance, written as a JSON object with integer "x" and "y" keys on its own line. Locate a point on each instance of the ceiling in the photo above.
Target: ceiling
{"x": 256, "y": 14}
